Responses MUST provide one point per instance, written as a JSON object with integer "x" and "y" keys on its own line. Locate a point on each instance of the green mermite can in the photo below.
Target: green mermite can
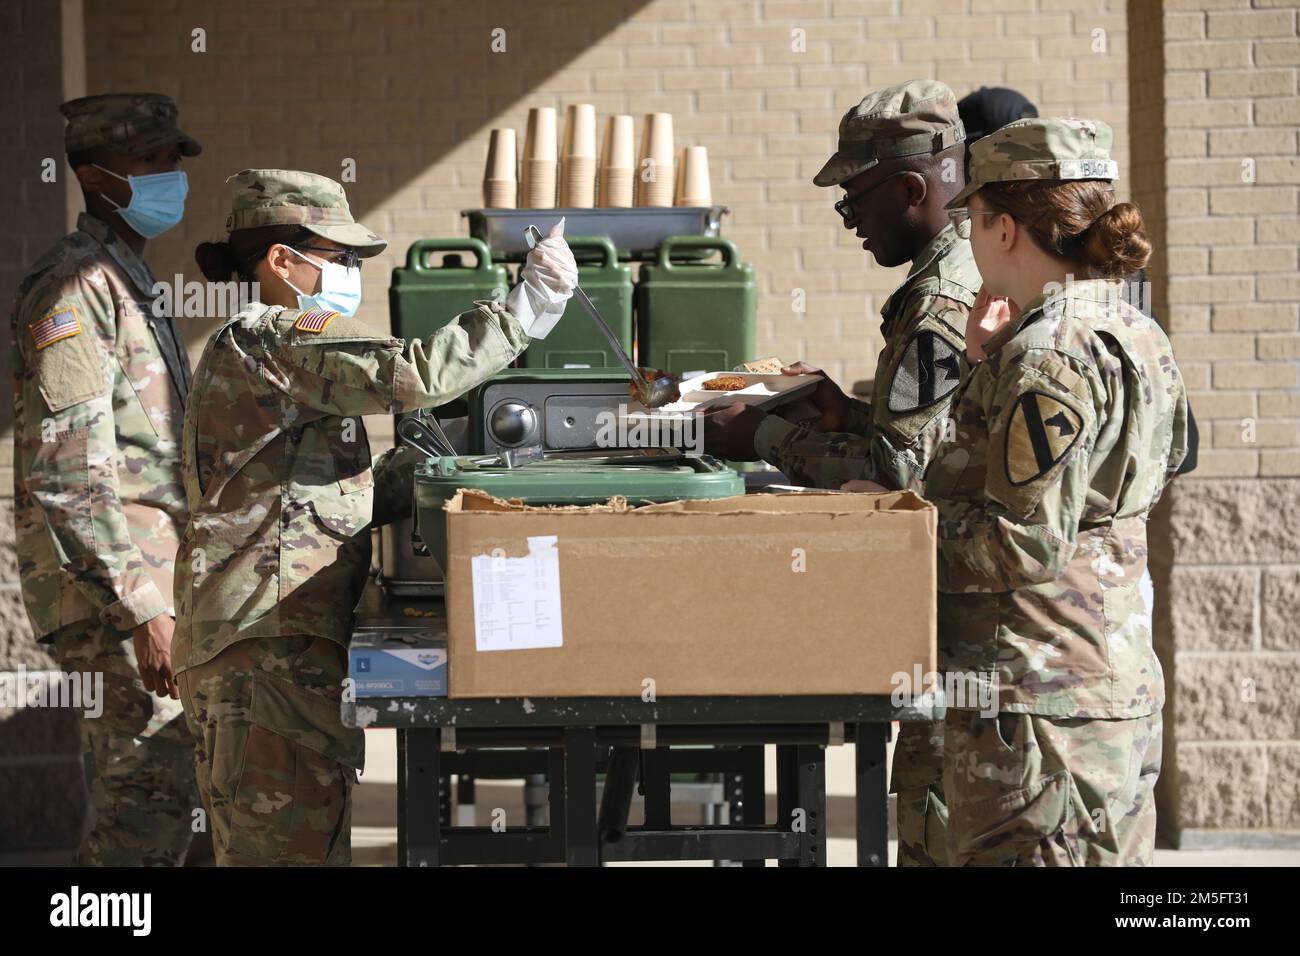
{"x": 423, "y": 297}
{"x": 695, "y": 316}
{"x": 575, "y": 342}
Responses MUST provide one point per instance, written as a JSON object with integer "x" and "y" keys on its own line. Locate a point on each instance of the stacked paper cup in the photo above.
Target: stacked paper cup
{"x": 693, "y": 188}
{"x": 617, "y": 162}
{"x": 540, "y": 165}
{"x": 499, "y": 182}
{"x": 578, "y": 171}
{"x": 654, "y": 179}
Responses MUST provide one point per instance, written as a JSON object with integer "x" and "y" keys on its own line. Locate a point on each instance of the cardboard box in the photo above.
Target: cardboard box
{"x": 398, "y": 664}
{"x": 751, "y": 595}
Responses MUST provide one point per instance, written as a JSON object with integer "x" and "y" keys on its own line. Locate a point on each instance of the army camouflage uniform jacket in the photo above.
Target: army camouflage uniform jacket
{"x": 892, "y": 438}
{"x": 1065, "y": 438}
{"x": 277, "y": 467}
{"x": 99, "y": 390}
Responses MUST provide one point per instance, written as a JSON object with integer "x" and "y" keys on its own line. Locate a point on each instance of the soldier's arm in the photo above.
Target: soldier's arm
{"x": 1023, "y": 530}
{"x": 69, "y": 449}
{"x": 898, "y": 435}
{"x": 344, "y": 368}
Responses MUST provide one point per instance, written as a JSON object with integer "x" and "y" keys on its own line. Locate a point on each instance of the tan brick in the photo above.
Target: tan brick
{"x": 1266, "y": 434}
{"x": 1215, "y": 289}
{"x": 1255, "y": 317}
{"x": 1221, "y": 786}
{"x": 813, "y": 53}
{"x": 1211, "y": 405}
{"x": 1279, "y": 404}
{"x": 1278, "y": 347}
{"x": 1259, "y": 142}
{"x": 911, "y": 27}
{"x": 659, "y": 56}
{"x": 1278, "y": 170}
{"x": 1252, "y": 199}
{"x": 1189, "y": 348}
{"x": 1186, "y": 203}
{"x": 1256, "y": 259}
{"x": 1278, "y": 230}
{"x": 1196, "y": 375}
{"x": 733, "y": 101}
{"x": 1252, "y": 83}
{"x": 1201, "y": 114}
{"x": 1184, "y": 26}
{"x": 1279, "y": 464}
{"x": 1279, "y": 53}
{"x": 694, "y": 80}
{"x": 1184, "y": 85}
{"x": 1213, "y": 609}
{"x": 1185, "y": 142}
{"x": 1269, "y": 288}
{"x": 1206, "y": 56}
{"x": 1184, "y": 261}
{"x": 1227, "y": 464}
{"x": 1256, "y": 375}
{"x": 1258, "y": 24}
{"x": 971, "y": 27}
{"x": 1204, "y": 172}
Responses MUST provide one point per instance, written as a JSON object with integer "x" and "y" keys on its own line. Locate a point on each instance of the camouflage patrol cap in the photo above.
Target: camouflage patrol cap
{"x": 919, "y": 116}
{"x": 131, "y": 123}
{"x": 1052, "y": 149}
{"x": 282, "y": 197}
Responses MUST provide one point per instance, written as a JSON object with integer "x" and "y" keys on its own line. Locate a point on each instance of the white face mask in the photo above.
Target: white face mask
{"x": 340, "y": 287}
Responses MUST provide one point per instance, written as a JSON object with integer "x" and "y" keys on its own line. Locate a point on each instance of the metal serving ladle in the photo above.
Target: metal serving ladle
{"x": 652, "y": 393}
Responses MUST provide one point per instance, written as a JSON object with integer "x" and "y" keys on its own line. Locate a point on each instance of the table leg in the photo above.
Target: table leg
{"x": 656, "y": 784}
{"x": 872, "y": 794}
{"x": 812, "y": 800}
{"x": 580, "y": 845}
{"x": 419, "y": 832}
{"x": 787, "y": 789}
{"x": 753, "y": 792}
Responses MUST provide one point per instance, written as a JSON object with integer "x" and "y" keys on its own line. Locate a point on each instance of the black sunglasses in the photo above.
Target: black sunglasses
{"x": 845, "y": 206}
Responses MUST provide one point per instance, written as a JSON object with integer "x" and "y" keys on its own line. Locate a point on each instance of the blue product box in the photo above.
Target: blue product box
{"x": 401, "y": 663}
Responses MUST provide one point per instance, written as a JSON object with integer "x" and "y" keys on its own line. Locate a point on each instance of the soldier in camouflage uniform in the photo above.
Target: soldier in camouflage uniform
{"x": 283, "y": 493}
{"x": 101, "y": 377}
{"x": 900, "y": 158}
{"x": 1065, "y": 436}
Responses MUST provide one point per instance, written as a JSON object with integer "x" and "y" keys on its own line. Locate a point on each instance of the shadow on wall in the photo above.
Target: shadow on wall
{"x": 395, "y": 87}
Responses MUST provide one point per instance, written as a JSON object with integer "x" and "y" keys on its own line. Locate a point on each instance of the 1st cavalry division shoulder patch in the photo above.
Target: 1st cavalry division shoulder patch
{"x": 62, "y": 324}
{"x": 317, "y": 320}
{"x": 928, "y": 371}
{"x": 1041, "y": 432}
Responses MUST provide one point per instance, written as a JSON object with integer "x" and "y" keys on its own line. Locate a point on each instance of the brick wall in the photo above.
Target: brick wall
{"x": 1221, "y": 162}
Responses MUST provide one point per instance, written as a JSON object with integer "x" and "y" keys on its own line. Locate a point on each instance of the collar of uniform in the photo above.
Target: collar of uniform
{"x": 1032, "y": 310}
{"x": 253, "y": 313}
{"x": 122, "y": 254}
{"x": 941, "y": 243}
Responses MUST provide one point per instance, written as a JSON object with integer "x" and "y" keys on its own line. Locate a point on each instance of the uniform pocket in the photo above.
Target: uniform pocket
{"x": 1032, "y": 826}
{"x": 291, "y": 803}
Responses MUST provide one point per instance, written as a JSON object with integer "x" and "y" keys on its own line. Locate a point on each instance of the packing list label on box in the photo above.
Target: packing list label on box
{"x": 517, "y": 600}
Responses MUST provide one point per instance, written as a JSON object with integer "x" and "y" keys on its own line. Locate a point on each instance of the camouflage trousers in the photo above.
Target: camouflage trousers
{"x": 1029, "y": 790}
{"x": 916, "y": 777}
{"x": 137, "y": 755}
{"x": 275, "y": 763}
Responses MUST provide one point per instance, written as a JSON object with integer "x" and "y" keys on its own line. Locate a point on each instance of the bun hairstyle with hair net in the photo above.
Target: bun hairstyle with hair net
{"x": 243, "y": 250}
{"x": 1078, "y": 221}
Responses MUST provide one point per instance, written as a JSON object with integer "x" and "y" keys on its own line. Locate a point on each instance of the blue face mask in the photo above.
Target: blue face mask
{"x": 340, "y": 288}
{"x": 157, "y": 201}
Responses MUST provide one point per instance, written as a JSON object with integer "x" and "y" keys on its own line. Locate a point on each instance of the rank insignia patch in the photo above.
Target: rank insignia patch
{"x": 317, "y": 320}
{"x": 928, "y": 371}
{"x": 62, "y": 324}
{"x": 1041, "y": 431}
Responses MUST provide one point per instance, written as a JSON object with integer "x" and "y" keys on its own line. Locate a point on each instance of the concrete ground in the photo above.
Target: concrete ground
{"x": 374, "y": 828}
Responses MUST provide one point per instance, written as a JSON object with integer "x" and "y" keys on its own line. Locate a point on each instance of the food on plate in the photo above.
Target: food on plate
{"x": 725, "y": 383}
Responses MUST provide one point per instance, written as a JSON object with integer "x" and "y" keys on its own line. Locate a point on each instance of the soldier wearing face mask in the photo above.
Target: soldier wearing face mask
{"x": 100, "y": 383}
{"x": 283, "y": 493}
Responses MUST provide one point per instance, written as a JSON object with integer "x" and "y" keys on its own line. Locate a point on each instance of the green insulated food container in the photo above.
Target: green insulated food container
{"x": 575, "y": 342}
{"x": 424, "y": 297}
{"x": 695, "y": 316}
{"x": 561, "y": 482}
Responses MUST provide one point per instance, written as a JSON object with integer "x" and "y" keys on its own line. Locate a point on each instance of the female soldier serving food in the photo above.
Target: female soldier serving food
{"x": 282, "y": 495}
{"x": 1066, "y": 434}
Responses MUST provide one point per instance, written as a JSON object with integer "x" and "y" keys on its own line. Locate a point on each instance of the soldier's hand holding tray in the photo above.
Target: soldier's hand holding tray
{"x": 729, "y": 431}
{"x": 830, "y": 400}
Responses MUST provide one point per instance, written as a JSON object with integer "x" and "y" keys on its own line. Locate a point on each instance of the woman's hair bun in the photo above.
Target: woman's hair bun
{"x": 216, "y": 261}
{"x": 1115, "y": 244}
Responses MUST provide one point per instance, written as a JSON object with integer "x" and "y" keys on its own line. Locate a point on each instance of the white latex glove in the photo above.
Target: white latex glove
{"x": 546, "y": 282}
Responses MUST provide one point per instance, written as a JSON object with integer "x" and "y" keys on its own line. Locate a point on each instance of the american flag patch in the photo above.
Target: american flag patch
{"x": 57, "y": 325}
{"x": 317, "y": 320}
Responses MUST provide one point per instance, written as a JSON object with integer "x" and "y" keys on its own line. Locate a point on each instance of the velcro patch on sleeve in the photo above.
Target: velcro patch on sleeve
{"x": 928, "y": 371}
{"x": 317, "y": 320}
{"x": 1040, "y": 433}
{"x": 60, "y": 324}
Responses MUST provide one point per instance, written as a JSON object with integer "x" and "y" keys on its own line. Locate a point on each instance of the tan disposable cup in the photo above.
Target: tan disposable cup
{"x": 580, "y": 130}
{"x": 616, "y": 187}
{"x": 694, "y": 188}
{"x": 500, "y": 193}
{"x": 578, "y": 182}
{"x": 619, "y": 149}
{"x": 540, "y": 175}
{"x": 501, "y": 158}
